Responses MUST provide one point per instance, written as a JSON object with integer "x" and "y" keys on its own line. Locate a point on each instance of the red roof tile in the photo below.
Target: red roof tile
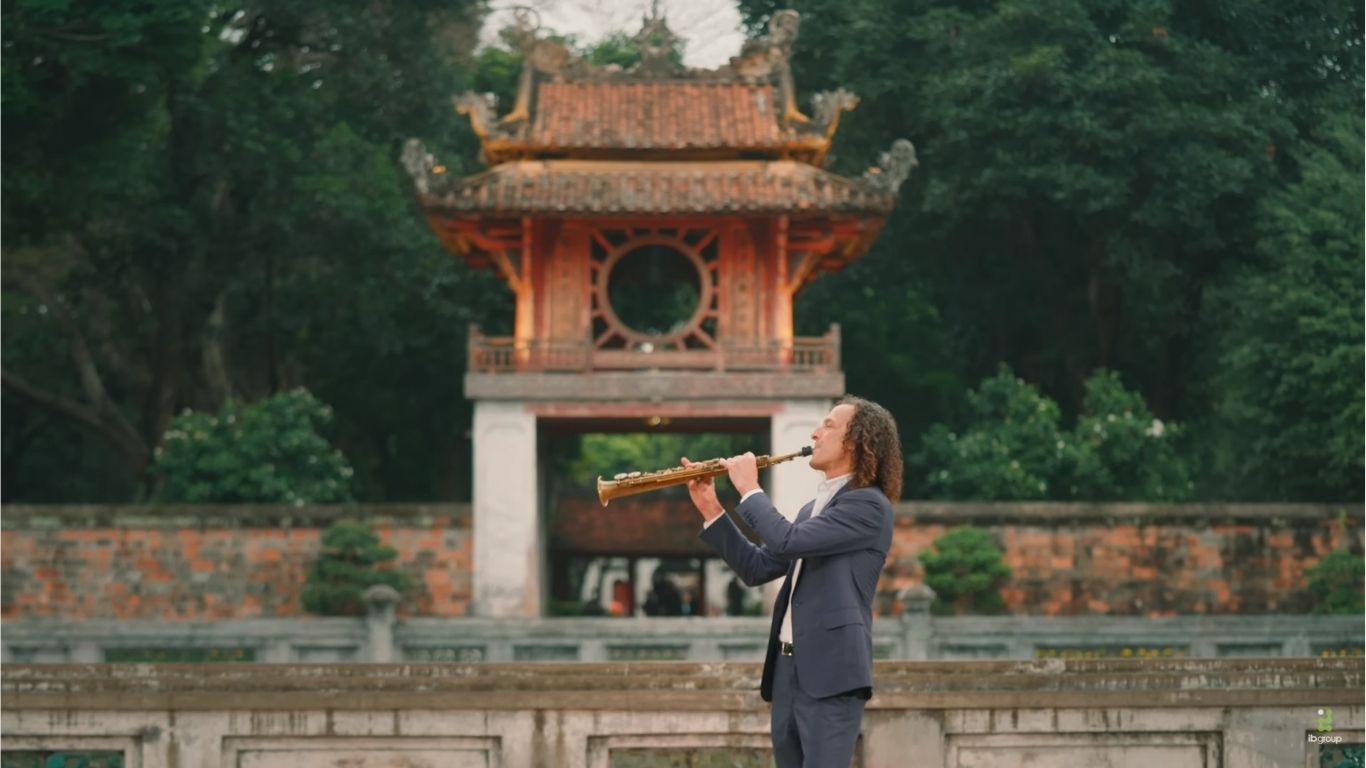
{"x": 654, "y": 115}
{"x": 609, "y": 187}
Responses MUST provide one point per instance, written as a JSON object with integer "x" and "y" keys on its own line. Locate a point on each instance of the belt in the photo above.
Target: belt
{"x": 784, "y": 648}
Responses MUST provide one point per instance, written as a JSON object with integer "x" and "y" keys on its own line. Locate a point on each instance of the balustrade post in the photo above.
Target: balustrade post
{"x": 380, "y": 601}
{"x": 917, "y": 624}
{"x": 474, "y": 341}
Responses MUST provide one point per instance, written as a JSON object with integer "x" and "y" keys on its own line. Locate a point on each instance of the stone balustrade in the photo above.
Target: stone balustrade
{"x": 1175, "y": 713}
{"x": 913, "y": 636}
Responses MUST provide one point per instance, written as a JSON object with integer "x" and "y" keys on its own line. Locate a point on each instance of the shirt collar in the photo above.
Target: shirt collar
{"x": 834, "y": 484}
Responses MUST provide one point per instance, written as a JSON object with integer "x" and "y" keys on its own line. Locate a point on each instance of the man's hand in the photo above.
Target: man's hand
{"x": 703, "y": 494}
{"x": 743, "y": 471}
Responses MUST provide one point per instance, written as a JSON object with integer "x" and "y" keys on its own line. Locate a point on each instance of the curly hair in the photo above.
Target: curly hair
{"x": 872, "y": 441}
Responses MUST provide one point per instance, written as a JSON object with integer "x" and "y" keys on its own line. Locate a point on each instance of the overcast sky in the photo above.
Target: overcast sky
{"x": 710, "y": 27}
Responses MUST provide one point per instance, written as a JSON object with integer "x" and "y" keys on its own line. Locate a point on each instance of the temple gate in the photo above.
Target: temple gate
{"x": 655, "y": 225}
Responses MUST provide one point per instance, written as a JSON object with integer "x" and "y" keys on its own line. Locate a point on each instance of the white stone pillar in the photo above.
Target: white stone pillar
{"x": 507, "y": 532}
{"x": 793, "y": 483}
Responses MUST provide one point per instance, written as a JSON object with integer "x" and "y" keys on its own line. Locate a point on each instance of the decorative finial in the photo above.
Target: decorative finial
{"x": 419, "y": 163}
{"x": 656, "y": 43}
{"x": 483, "y": 111}
{"x": 893, "y": 167}
{"x": 783, "y": 28}
{"x": 827, "y": 106}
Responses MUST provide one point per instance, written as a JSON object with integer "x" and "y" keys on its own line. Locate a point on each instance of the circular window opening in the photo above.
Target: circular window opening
{"x": 654, "y": 290}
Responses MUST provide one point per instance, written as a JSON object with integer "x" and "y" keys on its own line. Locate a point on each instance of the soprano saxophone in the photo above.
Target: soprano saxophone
{"x": 629, "y": 484}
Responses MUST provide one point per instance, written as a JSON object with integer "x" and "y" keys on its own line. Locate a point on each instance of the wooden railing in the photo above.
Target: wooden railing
{"x": 505, "y": 354}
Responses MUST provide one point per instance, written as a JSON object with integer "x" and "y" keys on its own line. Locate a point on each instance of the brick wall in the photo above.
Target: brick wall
{"x": 178, "y": 563}
{"x": 1068, "y": 559}
{"x": 1138, "y": 559}
{"x": 659, "y": 525}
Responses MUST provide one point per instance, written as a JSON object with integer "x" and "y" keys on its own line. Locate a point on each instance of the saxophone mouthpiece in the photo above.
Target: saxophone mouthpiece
{"x": 806, "y": 450}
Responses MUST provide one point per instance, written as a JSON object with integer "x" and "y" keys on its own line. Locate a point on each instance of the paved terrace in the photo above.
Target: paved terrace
{"x": 1201, "y": 713}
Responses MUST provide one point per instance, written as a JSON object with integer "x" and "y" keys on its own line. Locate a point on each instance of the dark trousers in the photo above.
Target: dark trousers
{"x": 812, "y": 733}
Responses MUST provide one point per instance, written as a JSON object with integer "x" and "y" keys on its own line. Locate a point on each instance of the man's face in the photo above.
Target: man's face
{"x": 827, "y": 441}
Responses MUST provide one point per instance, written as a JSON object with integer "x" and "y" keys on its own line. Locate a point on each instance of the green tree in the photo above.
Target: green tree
{"x": 206, "y": 205}
{"x": 1120, "y": 451}
{"x": 966, "y": 571}
{"x": 1286, "y": 394}
{"x": 496, "y": 71}
{"x": 1109, "y": 157}
{"x": 606, "y": 455}
{"x": 1336, "y": 582}
{"x": 350, "y": 563}
{"x": 270, "y": 452}
{"x": 1012, "y": 447}
{"x": 620, "y": 49}
{"x": 1101, "y": 155}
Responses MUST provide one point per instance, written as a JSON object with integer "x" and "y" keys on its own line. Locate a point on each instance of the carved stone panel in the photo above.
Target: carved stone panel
{"x": 363, "y": 752}
{"x": 1085, "y": 750}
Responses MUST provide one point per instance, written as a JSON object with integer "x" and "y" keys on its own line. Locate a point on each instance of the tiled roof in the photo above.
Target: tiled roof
{"x": 608, "y": 187}
{"x": 654, "y": 115}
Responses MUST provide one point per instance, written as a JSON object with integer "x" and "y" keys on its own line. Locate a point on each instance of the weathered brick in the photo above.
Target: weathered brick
{"x": 1062, "y": 565}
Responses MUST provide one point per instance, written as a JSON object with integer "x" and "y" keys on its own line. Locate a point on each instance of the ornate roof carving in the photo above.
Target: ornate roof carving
{"x": 558, "y": 108}
{"x": 656, "y": 43}
{"x": 420, "y": 165}
{"x": 828, "y": 105}
{"x": 554, "y": 187}
{"x": 893, "y": 168}
{"x": 483, "y": 111}
{"x": 656, "y": 139}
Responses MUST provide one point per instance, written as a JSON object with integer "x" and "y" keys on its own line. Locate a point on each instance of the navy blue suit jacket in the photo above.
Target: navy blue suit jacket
{"x": 842, "y": 549}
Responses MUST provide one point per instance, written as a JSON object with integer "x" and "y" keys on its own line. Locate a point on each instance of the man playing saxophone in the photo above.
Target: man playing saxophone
{"x": 818, "y": 673}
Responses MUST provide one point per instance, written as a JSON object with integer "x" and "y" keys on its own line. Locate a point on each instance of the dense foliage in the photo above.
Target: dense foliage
{"x": 352, "y": 561}
{"x": 966, "y": 571}
{"x": 273, "y": 451}
{"x": 1010, "y": 448}
{"x": 203, "y": 203}
{"x": 1166, "y": 190}
{"x": 1286, "y": 393}
{"x": 1336, "y": 583}
{"x": 1119, "y": 451}
{"x": 1013, "y": 447}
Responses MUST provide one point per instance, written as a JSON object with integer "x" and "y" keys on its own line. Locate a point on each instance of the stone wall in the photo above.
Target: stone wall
{"x": 206, "y": 563}
{"x": 202, "y": 563}
{"x": 1140, "y": 559}
{"x": 1254, "y": 713}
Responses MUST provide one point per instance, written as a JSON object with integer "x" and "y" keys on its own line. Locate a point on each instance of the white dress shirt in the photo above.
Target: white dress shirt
{"x": 824, "y": 492}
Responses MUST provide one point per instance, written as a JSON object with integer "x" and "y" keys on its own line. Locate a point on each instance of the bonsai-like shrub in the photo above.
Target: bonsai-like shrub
{"x": 966, "y": 572}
